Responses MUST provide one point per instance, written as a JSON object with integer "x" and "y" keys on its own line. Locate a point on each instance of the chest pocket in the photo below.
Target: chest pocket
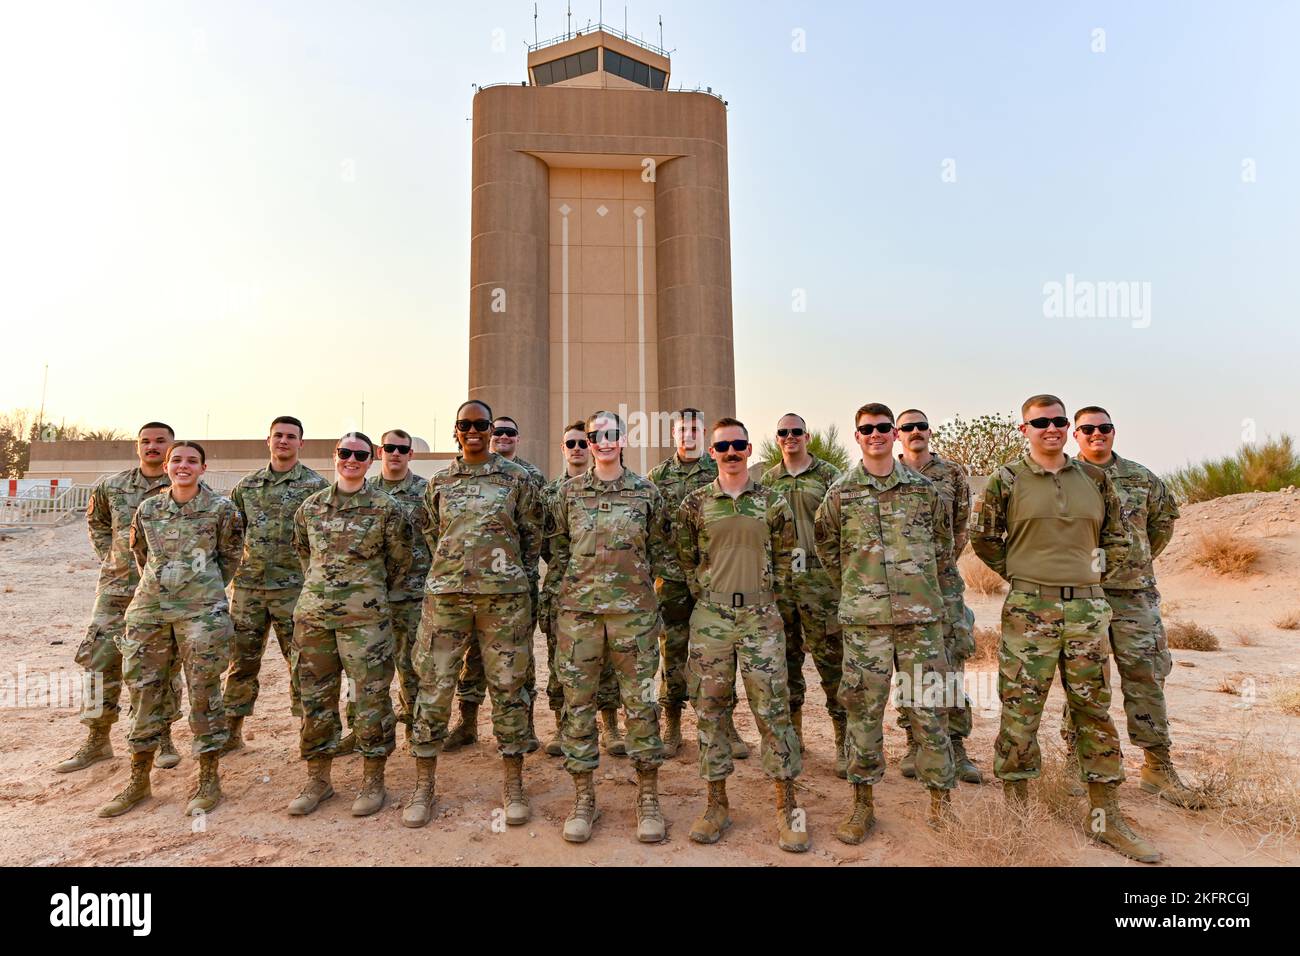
{"x": 361, "y": 531}
{"x": 859, "y": 519}
{"x": 1132, "y": 494}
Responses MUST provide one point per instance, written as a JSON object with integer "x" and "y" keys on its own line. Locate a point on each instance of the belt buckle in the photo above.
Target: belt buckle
{"x": 1067, "y": 594}
{"x": 737, "y": 598}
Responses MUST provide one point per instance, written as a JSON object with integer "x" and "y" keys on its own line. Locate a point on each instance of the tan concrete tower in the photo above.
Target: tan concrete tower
{"x": 600, "y": 249}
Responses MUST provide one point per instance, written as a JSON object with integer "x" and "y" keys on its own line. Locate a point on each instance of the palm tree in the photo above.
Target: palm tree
{"x": 823, "y": 444}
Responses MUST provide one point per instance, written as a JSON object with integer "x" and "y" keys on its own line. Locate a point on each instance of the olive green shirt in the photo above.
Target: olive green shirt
{"x": 735, "y": 545}
{"x": 675, "y": 479}
{"x": 803, "y": 493}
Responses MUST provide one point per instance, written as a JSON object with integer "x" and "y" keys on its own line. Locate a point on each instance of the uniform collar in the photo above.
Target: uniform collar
{"x": 720, "y": 492}
{"x": 200, "y": 502}
{"x": 144, "y": 481}
{"x": 271, "y": 476}
{"x": 343, "y": 501}
{"x": 494, "y": 464}
{"x": 1038, "y": 469}
{"x": 690, "y": 467}
{"x": 899, "y": 474}
{"x": 782, "y": 470}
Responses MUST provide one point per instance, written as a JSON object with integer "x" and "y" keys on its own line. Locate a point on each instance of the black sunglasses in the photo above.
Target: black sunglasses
{"x": 915, "y": 426}
{"x": 505, "y": 430}
{"x": 1060, "y": 421}
{"x": 575, "y": 443}
{"x": 478, "y": 424}
{"x": 792, "y": 432}
{"x": 400, "y": 449}
{"x": 883, "y": 427}
{"x": 1105, "y": 429}
{"x": 606, "y": 435}
{"x": 740, "y": 444}
{"x": 346, "y": 453}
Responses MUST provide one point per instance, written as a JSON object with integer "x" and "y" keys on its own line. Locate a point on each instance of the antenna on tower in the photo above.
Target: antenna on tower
{"x": 625, "y": 19}
{"x": 568, "y": 19}
{"x": 534, "y": 24}
{"x": 661, "y": 31}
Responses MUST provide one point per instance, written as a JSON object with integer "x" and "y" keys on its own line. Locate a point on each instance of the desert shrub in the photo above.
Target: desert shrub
{"x": 1190, "y": 636}
{"x": 979, "y": 577}
{"x": 1289, "y": 621}
{"x": 1270, "y": 466}
{"x": 1253, "y": 790}
{"x": 1286, "y": 697}
{"x": 980, "y": 444}
{"x": 1225, "y": 553}
{"x": 987, "y": 640}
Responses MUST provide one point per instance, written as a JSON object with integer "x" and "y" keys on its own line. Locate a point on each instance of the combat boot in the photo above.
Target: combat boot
{"x": 940, "y": 813}
{"x": 716, "y": 817}
{"x": 841, "y": 747}
{"x": 236, "y": 739}
{"x": 516, "y": 801}
{"x": 1016, "y": 793}
{"x": 578, "y": 824}
{"x": 672, "y": 729}
{"x": 96, "y": 748}
{"x": 615, "y": 746}
{"x": 466, "y": 730}
{"x": 861, "y": 818}
{"x": 137, "y": 788}
{"x": 373, "y": 796}
{"x": 791, "y": 822}
{"x": 317, "y": 790}
{"x": 650, "y": 827}
{"x": 907, "y": 766}
{"x": 1160, "y": 777}
{"x": 739, "y": 749}
{"x": 967, "y": 772}
{"x": 167, "y": 756}
{"x": 419, "y": 808}
{"x": 1107, "y": 825}
{"x": 1071, "y": 771}
{"x": 347, "y": 745}
{"x": 533, "y": 742}
{"x": 796, "y": 718}
{"x": 208, "y": 793}
{"x": 553, "y": 747}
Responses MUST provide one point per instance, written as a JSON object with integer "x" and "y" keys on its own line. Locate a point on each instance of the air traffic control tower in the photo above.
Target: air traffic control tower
{"x": 600, "y": 249}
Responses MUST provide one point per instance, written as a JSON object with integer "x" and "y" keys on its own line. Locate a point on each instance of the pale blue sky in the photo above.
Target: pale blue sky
{"x": 251, "y": 208}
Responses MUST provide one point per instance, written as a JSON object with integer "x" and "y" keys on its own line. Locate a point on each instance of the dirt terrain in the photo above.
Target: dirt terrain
{"x": 47, "y": 583}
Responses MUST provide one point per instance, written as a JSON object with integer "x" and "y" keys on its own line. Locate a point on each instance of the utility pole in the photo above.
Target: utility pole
{"x": 40, "y": 417}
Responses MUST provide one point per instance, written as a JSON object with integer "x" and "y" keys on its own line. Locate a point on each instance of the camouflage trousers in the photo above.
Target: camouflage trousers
{"x": 496, "y": 624}
{"x": 1137, "y": 642}
{"x": 201, "y": 647}
{"x": 321, "y": 656}
{"x": 406, "y": 625}
{"x": 101, "y": 653}
{"x": 628, "y": 644}
{"x": 811, "y": 625}
{"x": 1037, "y": 634}
{"x": 675, "y": 606}
{"x": 607, "y": 695}
{"x": 869, "y": 655}
{"x": 471, "y": 685}
{"x": 255, "y": 611}
{"x": 722, "y": 638}
{"x": 958, "y": 716}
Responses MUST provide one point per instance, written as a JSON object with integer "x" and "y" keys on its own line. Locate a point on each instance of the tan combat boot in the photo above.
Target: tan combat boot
{"x": 650, "y": 827}
{"x": 533, "y": 742}
{"x": 796, "y": 718}
{"x": 716, "y": 817}
{"x": 1160, "y": 777}
{"x": 1107, "y": 825}
{"x": 967, "y": 772}
{"x": 613, "y": 740}
{"x": 419, "y": 808}
{"x": 1071, "y": 770}
{"x": 516, "y": 801}
{"x": 739, "y": 749}
{"x": 137, "y": 788}
{"x": 672, "y": 729}
{"x": 236, "y": 739}
{"x": 578, "y": 824}
{"x": 208, "y": 793}
{"x": 791, "y": 822}
{"x": 1016, "y": 793}
{"x": 317, "y": 789}
{"x": 861, "y": 818}
{"x": 96, "y": 748}
{"x": 907, "y": 766}
{"x": 940, "y": 813}
{"x": 553, "y": 747}
{"x": 167, "y": 756}
{"x": 373, "y": 796}
{"x": 465, "y": 732}
{"x": 841, "y": 747}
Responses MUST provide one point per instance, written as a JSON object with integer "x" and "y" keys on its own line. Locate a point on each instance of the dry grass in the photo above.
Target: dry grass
{"x": 1229, "y": 685}
{"x": 1286, "y": 697}
{"x": 1290, "y": 621}
{"x": 986, "y": 645}
{"x": 979, "y": 577}
{"x": 1225, "y": 553}
{"x": 1253, "y": 790}
{"x": 1244, "y": 637}
{"x": 1190, "y": 636}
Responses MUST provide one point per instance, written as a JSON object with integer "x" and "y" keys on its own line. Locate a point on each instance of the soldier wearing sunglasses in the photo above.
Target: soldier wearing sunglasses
{"x": 1051, "y": 526}
{"x": 808, "y": 611}
{"x": 884, "y": 536}
{"x": 576, "y": 452}
{"x": 959, "y": 622}
{"x": 484, "y": 528}
{"x": 1137, "y": 635}
{"x": 735, "y": 540}
{"x": 356, "y": 545}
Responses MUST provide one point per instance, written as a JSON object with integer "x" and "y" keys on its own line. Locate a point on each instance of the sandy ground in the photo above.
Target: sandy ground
{"x": 46, "y": 590}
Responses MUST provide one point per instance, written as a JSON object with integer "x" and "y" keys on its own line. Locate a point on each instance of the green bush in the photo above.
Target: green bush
{"x": 980, "y": 444}
{"x": 1271, "y": 466}
{"x": 823, "y": 444}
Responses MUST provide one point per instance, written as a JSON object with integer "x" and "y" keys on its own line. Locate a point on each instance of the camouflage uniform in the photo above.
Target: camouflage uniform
{"x": 808, "y": 611}
{"x": 608, "y": 542}
{"x": 950, "y": 481}
{"x": 675, "y": 479}
{"x": 405, "y": 604}
{"x": 188, "y": 554}
{"x": 737, "y": 555}
{"x": 1046, "y": 533}
{"x": 607, "y": 693}
{"x": 108, "y": 516}
{"x": 1137, "y": 635}
{"x": 484, "y": 528}
{"x": 357, "y": 549}
{"x": 886, "y": 544}
{"x": 268, "y": 581}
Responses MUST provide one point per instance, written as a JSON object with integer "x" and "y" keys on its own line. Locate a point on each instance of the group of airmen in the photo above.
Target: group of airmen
{"x": 695, "y": 573}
